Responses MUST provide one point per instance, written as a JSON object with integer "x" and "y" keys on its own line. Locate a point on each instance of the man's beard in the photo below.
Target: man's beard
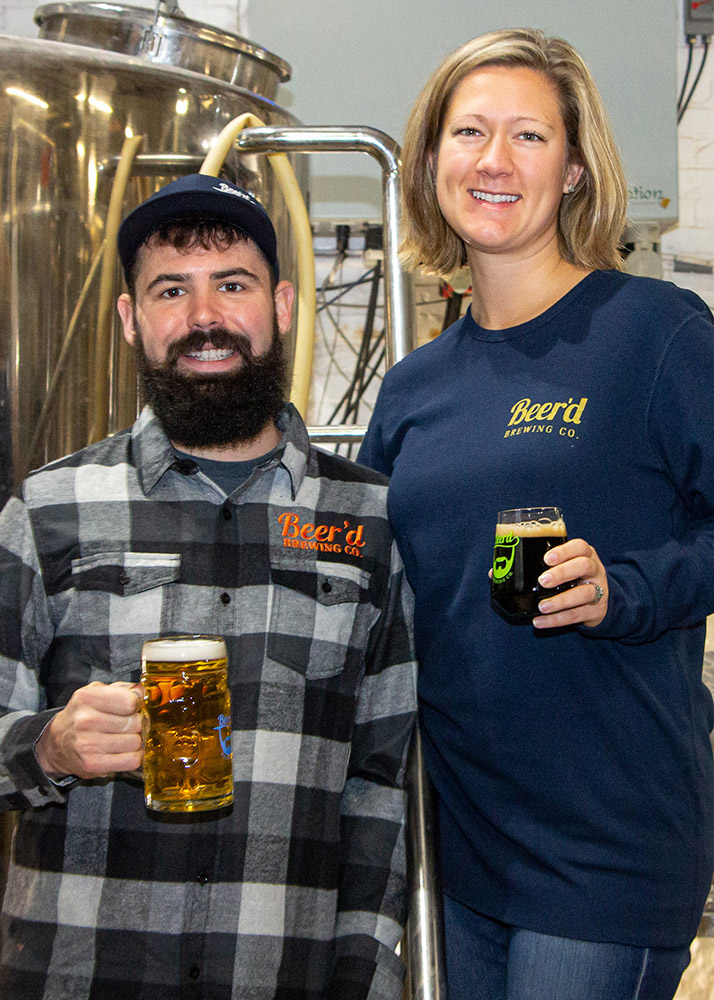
{"x": 214, "y": 410}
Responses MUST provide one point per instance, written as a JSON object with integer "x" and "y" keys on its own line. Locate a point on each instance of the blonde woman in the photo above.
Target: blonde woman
{"x": 571, "y": 756}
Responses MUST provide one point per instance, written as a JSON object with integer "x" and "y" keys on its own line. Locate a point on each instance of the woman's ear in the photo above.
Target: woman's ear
{"x": 572, "y": 176}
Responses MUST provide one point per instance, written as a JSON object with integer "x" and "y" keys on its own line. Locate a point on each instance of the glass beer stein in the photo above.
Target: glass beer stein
{"x": 186, "y": 723}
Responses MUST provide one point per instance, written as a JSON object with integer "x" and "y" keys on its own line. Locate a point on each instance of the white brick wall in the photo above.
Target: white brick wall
{"x": 693, "y": 237}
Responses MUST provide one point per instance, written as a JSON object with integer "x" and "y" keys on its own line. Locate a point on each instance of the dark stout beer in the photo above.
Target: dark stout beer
{"x": 186, "y": 724}
{"x": 522, "y": 539}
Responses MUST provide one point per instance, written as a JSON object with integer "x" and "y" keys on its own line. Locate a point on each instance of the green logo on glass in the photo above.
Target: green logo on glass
{"x": 503, "y": 553}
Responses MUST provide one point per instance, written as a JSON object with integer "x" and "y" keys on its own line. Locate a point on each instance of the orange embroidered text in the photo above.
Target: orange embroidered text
{"x": 323, "y": 537}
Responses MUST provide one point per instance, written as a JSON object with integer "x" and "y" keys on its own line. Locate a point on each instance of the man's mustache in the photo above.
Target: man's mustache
{"x": 218, "y": 337}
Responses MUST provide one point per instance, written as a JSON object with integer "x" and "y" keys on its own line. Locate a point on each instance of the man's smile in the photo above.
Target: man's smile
{"x": 211, "y": 354}
{"x": 213, "y": 351}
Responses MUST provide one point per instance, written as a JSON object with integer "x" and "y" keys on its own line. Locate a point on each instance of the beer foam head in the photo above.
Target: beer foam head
{"x": 534, "y": 529}
{"x": 184, "y": 649}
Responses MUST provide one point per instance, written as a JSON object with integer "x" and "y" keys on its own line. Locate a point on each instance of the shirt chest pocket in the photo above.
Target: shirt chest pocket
{"x": 320, "y": 618}
{"x": 121, "y": 598}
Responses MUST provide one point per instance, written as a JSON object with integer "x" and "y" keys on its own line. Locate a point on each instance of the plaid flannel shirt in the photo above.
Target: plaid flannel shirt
{"x": 295, "y": 893}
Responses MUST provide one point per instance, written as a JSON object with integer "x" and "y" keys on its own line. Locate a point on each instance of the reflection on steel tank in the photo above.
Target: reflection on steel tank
{"x": 5, "y": 443}
{"x": 99, "y": 73}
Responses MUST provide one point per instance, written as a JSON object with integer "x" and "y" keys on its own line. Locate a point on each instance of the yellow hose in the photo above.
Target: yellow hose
{"x": 100, "y": 397}
{"x": 304, "y": 339}
{"x": 62, "y": 360}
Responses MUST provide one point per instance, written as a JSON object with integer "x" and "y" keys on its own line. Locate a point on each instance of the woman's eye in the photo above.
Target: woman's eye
{"x": 531, "y": 136}
{"x": 466, "y": 130}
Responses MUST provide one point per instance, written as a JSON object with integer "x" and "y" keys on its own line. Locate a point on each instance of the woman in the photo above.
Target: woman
{"x": 571, "y": 758}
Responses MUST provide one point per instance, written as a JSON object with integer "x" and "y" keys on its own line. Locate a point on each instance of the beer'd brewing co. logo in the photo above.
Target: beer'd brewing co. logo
{"x": 504, "y": 552}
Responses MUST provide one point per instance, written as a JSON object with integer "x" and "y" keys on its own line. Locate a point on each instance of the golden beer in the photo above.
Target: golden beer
{"x": 186, "y": 724}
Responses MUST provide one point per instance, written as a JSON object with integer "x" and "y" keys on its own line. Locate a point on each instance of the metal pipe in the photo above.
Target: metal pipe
{"x": 426, "y": 961}
{"x": 346, "y": 433}
{"x": 399, "y": 293}
{"x": 156, "y": 164}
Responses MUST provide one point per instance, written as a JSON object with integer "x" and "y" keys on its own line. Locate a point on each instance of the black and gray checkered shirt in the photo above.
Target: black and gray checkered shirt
{"x": 298, "y": 892}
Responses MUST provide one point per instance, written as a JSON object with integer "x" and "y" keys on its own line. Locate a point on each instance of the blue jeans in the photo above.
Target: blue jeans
{"x": 488, "y": 960}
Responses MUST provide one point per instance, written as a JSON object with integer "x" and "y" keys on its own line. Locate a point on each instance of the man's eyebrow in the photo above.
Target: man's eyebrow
{"x": 179, "y": 278}
{"x": 235, "y": 272}
{"x": 166, "y": 276}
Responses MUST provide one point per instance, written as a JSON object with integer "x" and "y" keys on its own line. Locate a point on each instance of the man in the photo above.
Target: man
{"x": 211, "y": 515}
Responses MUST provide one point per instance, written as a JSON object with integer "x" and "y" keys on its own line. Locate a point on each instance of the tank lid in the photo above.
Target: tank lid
{"x": 172, "y": 39}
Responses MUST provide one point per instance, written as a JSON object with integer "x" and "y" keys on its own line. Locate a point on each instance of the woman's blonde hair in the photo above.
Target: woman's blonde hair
{"x": 591, "y": 220}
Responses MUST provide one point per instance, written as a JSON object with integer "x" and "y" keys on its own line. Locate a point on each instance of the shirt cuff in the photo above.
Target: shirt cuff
{"x": 22, "y": 764}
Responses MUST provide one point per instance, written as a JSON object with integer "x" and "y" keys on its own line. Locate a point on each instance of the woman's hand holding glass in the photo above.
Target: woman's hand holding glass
{"x": 585, "y": 604}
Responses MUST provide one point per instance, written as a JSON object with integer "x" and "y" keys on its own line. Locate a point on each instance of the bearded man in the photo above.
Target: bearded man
{"x": 212, "y": 514}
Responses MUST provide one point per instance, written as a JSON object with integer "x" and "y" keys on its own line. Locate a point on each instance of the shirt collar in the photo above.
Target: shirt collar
{"x": 297, "y": 446}
{"x": 154, "y": 454}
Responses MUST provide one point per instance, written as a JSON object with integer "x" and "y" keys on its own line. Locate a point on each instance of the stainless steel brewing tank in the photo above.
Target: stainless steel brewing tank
{"x": 167, "y": 40}
{"x": 65, "y": 110}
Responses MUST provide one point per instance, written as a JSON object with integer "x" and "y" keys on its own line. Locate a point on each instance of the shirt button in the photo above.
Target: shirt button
{"x": 202, "y": 878}
{"x": 225, "y": 598}
{"x": 326, "y": 587}
{"x": 227, "y": 514}
{"x": 124, "y": 579}
{"x": 194, "y": 972}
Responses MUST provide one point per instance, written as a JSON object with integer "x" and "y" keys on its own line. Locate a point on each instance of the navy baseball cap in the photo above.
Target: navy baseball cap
{"x": 198, "y": 198}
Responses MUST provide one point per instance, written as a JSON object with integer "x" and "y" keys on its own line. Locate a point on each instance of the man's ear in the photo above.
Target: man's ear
{"x": 284, "y": 295}
{"x": 125, "y": 308}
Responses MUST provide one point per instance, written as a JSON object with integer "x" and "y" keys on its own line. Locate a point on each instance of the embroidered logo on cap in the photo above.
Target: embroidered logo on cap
{"x": 227, "y": 189}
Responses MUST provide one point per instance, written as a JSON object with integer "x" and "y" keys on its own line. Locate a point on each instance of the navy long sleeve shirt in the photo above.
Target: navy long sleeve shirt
{"x": 574, "y": 769}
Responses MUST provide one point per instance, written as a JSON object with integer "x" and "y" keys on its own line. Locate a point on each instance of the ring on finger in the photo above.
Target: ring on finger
{"x": 598, "y": 591}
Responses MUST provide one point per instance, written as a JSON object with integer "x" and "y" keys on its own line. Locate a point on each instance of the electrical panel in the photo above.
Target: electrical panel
{"x": 699, "y": 17}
